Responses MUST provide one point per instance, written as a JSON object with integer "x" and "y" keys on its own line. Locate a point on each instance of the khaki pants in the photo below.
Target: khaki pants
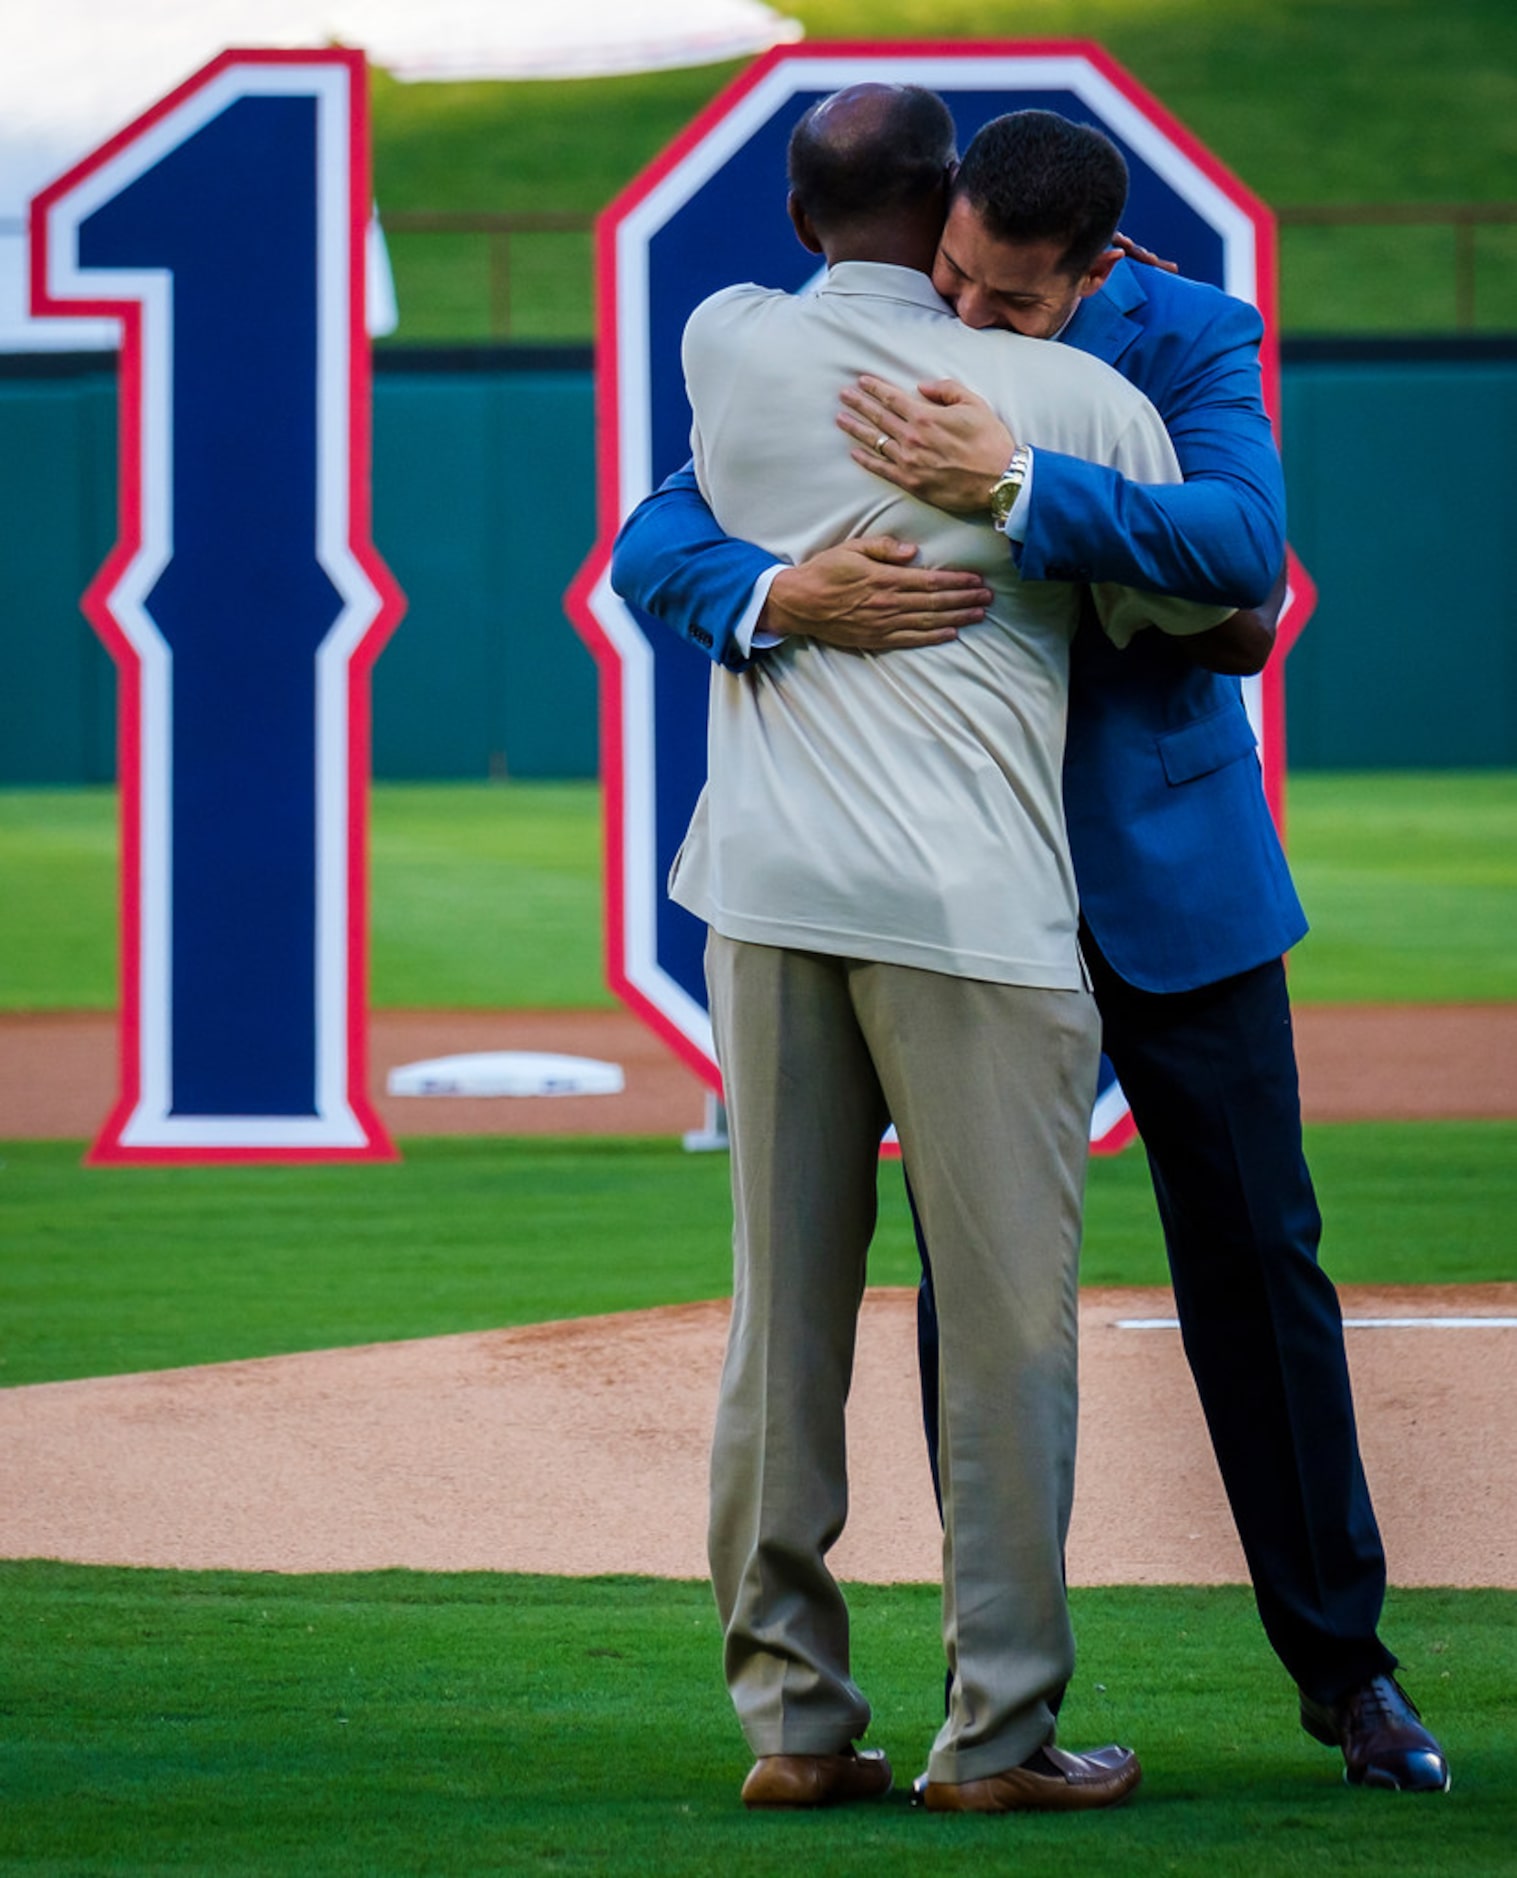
{"x": 990, "y": 1087}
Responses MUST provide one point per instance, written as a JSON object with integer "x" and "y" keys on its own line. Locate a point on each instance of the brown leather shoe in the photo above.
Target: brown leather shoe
{"x": 787, "y": 1780}
{"x": 1049, "y": 1781}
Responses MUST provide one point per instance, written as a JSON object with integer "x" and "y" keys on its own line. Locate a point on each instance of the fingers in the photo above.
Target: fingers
{"x": 933, "y": 613}
{"x": 920, "y": 596}
{"x": 877, "y": 462}
{"x": 893, "y": 572}
{"x": 867, "y": 421}
{"x": 904, "y": 638}
{"x": 887, "y": 548}
{"x": 877, "y": 413}
{"x": 948, "y": 391}
{"x": 882, "y": 395}
{"x": 870, "y": 596}
{"x": 1145, "y": 257}
{"x": 943, "y": 443}
{"x": 932, "y": 588}
{"x": 898, "y": 634}
{"x": 918, "y": 612}
{"x": 878, "y": 399}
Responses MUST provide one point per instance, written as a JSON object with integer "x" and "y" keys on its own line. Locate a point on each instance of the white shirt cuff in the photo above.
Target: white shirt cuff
{"x": 1016, "y": 521}
{"x": 746, "y": 634}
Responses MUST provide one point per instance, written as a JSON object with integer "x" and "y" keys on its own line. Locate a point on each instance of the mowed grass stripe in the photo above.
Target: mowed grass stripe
{"x": 401, "y": 1723}
{"x": 488, "y": 896}
{"x": 107, "y": 1270}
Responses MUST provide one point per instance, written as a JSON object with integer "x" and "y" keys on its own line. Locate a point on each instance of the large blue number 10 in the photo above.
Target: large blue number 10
{"x": 244, "y": 603}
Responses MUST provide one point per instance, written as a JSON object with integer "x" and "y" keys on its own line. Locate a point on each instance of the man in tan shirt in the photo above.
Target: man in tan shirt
{"x": 880, "y": 856}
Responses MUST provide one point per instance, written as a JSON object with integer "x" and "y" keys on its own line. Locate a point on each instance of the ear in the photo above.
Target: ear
{"x": 800, "y": 221}
{"x": 1097, "y": 273}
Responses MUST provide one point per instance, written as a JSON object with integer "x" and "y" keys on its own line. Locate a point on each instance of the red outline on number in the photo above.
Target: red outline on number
{"x": 1122, "y": 1134}
{"x": 108, "y": 1148}
{"x": 391, "y": 606}
{"x": 1303, "y": 593}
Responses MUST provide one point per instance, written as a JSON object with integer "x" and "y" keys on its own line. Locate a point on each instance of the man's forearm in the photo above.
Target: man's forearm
{"x": 1216, "y": 538}
{"x": 673, "y": 561}
{"x": 1240, "y": 646}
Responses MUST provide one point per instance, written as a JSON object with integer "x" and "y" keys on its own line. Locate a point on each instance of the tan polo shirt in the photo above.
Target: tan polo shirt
{"x": 903, "y": 806}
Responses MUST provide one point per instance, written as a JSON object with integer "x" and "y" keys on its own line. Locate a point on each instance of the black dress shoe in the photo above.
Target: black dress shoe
{"x": 1382, "y": 1737}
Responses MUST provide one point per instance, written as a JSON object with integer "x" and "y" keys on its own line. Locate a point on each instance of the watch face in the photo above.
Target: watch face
{"x": 1003, "y": 498}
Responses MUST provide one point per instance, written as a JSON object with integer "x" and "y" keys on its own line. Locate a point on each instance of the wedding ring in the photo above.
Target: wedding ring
{"x": 880, "y": 442}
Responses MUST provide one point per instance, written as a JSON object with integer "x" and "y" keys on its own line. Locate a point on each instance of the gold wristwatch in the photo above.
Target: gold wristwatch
{"x": 1004, "y": 493}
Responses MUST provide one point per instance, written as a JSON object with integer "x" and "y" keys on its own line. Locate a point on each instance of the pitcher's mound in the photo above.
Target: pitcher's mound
{"x": 581, "y": 1447}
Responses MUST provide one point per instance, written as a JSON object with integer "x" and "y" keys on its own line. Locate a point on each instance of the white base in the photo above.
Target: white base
{"x": 506, "y": 1073}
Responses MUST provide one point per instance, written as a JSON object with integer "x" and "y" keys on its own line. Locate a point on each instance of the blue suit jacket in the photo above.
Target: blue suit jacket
{"x": 1181, "y": 876}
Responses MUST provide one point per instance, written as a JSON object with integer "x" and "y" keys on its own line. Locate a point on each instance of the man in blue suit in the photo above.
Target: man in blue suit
{"x": 1186, "y": 899}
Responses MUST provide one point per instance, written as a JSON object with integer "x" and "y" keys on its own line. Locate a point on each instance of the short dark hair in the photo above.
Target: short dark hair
{"x": 1036, "y": 176}
{"x": 889, "y": 146}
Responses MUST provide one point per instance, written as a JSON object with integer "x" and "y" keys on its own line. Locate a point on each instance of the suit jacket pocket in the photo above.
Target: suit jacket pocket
{"x": 1209, "y": 744}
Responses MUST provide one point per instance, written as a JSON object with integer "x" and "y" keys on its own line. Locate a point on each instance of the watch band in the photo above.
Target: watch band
{"x": 1004, "y": 493}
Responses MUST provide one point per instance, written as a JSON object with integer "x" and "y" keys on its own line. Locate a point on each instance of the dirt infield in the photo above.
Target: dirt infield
{"x": 580, "y": 1448}
{"x": 1358, "y": 1063}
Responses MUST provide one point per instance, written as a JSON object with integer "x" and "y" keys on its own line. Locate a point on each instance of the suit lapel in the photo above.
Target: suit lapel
{"x": 1104, "y": 324}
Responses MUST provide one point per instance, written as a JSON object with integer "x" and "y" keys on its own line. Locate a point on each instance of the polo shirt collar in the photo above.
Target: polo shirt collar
{"x": 882, "y": 280}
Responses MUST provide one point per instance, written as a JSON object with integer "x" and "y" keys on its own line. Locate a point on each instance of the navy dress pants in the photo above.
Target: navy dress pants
{"x": 1211, "y": 1078}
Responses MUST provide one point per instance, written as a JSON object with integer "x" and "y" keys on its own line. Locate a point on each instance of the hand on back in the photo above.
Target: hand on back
{"x": 870, "y": 595}
{"x": 941, "y": 443}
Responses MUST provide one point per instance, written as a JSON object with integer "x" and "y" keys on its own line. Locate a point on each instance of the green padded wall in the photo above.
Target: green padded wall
{"x": 1401, "y": 474}
{"x": 1401, "y": 466}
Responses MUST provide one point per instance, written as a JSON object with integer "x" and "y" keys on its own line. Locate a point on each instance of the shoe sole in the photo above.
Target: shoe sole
{"x": 1379, "y": 1782}
{"x": 815, "y": 1806}
{"x": 1054, "y": 1798}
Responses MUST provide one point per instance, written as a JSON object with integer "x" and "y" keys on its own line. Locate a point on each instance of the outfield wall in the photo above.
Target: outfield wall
{"x": 1401, "y": 475}
{"x": 1400, "y": 466}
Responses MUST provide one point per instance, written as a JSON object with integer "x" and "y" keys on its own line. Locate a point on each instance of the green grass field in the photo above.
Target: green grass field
{"x": 488, "y": 896}
{"x": 399, "y": 1723}
{"x": 392, "y": 1723}
{"x": 115, "y": 1269}
{"x": 1308, "y": 101}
